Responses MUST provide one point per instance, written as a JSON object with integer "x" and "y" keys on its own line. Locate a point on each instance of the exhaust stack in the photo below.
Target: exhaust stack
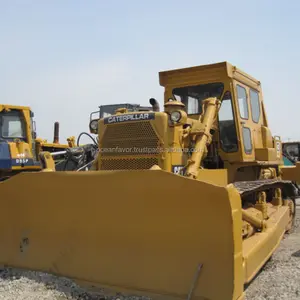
{"x": 155, "y": 104}
{"x": 56, "y": 133}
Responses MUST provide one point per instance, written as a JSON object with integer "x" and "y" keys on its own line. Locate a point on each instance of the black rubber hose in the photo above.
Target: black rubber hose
{"x": 82, "y": 133}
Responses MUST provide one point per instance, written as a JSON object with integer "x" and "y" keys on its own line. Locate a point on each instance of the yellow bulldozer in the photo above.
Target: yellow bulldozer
{"x": 20, "y": 149}
{"x": 185, "y": 203}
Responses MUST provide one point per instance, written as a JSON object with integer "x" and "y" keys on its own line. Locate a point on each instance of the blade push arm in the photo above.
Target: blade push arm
{"x": 201, "y": 132}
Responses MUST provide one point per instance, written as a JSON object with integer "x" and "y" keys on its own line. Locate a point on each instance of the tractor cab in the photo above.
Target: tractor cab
{"x": 290, "y": 151}
{"x": 15, "y": 123}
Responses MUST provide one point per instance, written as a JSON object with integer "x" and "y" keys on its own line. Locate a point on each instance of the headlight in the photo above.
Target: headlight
{"x": 175, "y": 116}
{"x": 94, "y": 125}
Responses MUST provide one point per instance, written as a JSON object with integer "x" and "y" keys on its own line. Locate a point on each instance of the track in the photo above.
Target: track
{"x": 279, "y": 280}
{"x": 249, "y": 187}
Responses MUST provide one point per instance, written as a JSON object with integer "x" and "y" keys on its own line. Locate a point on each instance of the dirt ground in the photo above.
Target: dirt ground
{"x": 280, "y": 279}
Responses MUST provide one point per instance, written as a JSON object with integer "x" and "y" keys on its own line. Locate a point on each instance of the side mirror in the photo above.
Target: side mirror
{"x": 34, "y": 135}
{"x": 33, "y": 126}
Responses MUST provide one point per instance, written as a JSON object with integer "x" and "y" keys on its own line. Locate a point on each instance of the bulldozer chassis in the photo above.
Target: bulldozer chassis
{"x": 213, "y": 216}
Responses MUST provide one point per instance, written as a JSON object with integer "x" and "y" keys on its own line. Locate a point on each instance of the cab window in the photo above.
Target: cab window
{"x": 192, "y": 96}
{"x": 242, "y": 101}
{"x": 227, "y": 129}
{"x": 255, "y": 106}
{"x": 12, "y": 125}
{"x": 247, "y": 140}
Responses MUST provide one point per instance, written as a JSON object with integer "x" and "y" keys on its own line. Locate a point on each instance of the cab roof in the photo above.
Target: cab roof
{"x": 203, "y": 73}
{"x": 16, "y": 107}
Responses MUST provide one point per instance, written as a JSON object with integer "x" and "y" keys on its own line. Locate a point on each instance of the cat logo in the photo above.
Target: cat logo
{"x": 178, "y": 169}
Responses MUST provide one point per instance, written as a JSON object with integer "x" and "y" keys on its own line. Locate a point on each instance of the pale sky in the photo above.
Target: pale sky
{"x": 65, "y": 58}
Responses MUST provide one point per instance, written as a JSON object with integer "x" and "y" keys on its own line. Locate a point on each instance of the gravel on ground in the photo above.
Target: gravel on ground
{"x": 279, "y": 279}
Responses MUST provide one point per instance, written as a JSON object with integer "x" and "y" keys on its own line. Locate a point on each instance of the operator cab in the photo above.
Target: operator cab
{"x": 241, "y": 114}
{"x": 291, "y": 152}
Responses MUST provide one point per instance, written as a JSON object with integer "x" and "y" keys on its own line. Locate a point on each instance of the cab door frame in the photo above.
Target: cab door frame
{"x": 244, "y": 120}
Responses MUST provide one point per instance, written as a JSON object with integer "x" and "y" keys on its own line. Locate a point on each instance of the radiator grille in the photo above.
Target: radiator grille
{"x": 129, "y": 146}
{"x": 136, "y": 138}
{"x": 128, "y": 164}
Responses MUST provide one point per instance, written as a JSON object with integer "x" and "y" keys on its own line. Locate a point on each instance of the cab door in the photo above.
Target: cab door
{"x": 245, "y": 122}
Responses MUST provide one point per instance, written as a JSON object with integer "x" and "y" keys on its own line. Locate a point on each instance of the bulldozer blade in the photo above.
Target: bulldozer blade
{"x": 143, "y": 232}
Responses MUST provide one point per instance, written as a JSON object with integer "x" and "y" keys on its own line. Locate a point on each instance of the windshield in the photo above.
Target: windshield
{"x": 108, "y": 110}
{"x": 105, "y": 114}
{"x": 12, "y": 125}
{"x": 192, "y": 96}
